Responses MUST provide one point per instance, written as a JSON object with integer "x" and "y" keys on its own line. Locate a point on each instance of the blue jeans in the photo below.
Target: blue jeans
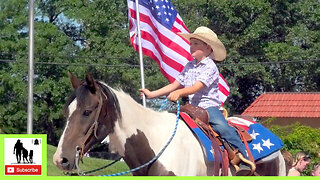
{"x": 220, "y": 125}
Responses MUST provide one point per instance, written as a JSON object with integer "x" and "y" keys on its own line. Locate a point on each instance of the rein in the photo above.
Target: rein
{"x": 161, "y": 151}
{"x": 95, "y": 125}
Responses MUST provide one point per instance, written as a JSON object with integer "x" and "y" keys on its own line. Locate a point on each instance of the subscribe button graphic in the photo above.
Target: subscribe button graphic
{"x": 23, "y": 155}
{"x": 23, "y": 170}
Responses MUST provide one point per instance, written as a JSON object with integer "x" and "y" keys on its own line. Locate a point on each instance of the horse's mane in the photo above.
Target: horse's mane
{"x": 112, "y": 102}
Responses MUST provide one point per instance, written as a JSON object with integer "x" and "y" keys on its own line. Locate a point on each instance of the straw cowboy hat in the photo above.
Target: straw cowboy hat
{"x": 208, "y": 36}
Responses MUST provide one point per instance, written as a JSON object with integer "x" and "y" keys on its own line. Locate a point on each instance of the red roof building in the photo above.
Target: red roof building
{"x": 287, "y": 108}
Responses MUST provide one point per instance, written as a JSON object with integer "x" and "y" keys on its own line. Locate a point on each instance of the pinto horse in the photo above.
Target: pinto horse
{"x": 95, "y": 111}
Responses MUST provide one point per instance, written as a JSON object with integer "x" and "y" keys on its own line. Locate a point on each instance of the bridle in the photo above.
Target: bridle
{"x": 94, "y": 127}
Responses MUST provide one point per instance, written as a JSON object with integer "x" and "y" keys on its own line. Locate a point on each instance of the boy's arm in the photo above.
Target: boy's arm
{"x": 175, "y": 95}
{"x": 162, "y": 91}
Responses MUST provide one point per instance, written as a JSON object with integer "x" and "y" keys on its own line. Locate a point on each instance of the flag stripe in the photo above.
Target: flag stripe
{"x": 150, "y": 54}
{"x": 223, "y": 82}
{"x": 245, "y": 123}
{"x": 181, "y": 25}
{"x": 154, "y": 54}
{"x": 164, "y": 61}
{"x": 223, "y": 90}
{"x": 169, "y": 61}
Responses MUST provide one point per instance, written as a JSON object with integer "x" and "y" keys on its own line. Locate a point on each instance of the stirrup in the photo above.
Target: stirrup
{"x": 246, "y": 161}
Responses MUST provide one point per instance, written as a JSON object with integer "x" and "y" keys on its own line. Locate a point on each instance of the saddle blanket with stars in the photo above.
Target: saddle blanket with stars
{"x": 263, "y": 143}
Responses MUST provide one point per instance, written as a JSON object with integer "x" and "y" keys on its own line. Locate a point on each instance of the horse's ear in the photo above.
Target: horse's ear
{"x": 75, "y": 82}
{"x": 91, "y": 85}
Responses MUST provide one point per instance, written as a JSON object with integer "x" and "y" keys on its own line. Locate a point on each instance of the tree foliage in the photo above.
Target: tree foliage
{"x": 272, "y": 46}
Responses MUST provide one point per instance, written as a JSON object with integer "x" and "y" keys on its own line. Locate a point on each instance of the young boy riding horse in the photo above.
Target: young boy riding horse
{"x": 199, "y": 81}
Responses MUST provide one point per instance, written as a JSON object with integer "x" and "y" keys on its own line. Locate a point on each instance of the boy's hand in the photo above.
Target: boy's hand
{"x": 174, "y": 96}
{"x": 146, "y": 92}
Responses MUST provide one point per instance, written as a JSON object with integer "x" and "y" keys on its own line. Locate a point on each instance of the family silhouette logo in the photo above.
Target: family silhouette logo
{"x": 23, "y": 156}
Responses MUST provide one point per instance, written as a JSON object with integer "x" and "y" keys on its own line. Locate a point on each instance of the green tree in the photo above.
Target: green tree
{"x": 12, "y": 76}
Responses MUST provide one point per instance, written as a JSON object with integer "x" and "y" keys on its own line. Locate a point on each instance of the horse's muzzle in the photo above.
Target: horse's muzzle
{"x": 63, "y": 164}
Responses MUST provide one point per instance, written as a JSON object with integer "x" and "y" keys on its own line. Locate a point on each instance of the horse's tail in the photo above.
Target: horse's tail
{"x": 288, "y": 159}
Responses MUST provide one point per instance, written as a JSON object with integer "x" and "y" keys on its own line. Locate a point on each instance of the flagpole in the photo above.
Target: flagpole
{"x": 31, "y": 70}
{"x": 140, "y": 53}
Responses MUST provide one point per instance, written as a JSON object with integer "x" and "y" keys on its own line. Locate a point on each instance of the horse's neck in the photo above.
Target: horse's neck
{"x": 137, "y": 124}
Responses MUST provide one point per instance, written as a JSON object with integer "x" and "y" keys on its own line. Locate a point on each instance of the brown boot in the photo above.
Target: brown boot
{"x": 246, "y": 167}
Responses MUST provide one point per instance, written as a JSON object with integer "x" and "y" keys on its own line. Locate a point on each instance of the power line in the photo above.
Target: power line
{"x": 138, "y": 66}
{"x": 41, "y": 55}
{"x": 76, "y": 64}
{"x": 270, "y": 63}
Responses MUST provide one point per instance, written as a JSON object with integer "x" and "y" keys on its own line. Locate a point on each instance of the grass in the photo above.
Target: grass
{"x": 87, "y": 165}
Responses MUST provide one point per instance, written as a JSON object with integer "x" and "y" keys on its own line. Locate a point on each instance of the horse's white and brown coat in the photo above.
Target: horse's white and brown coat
{"x": 142, "y": 133}
{"x": 138, "y": 134}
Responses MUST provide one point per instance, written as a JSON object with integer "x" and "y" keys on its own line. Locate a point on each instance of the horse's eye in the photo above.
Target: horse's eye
{"x": 87, "y": 113}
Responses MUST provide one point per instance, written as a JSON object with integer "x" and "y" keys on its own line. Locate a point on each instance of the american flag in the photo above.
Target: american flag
{"x": 159, "y": 25}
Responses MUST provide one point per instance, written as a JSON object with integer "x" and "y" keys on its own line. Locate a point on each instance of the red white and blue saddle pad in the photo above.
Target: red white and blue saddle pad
{"x": 200, "y": 134}
{"x": 263, "y": 143}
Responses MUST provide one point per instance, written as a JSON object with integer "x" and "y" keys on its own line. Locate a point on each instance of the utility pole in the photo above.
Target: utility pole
{"x": 31, "y": 70}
